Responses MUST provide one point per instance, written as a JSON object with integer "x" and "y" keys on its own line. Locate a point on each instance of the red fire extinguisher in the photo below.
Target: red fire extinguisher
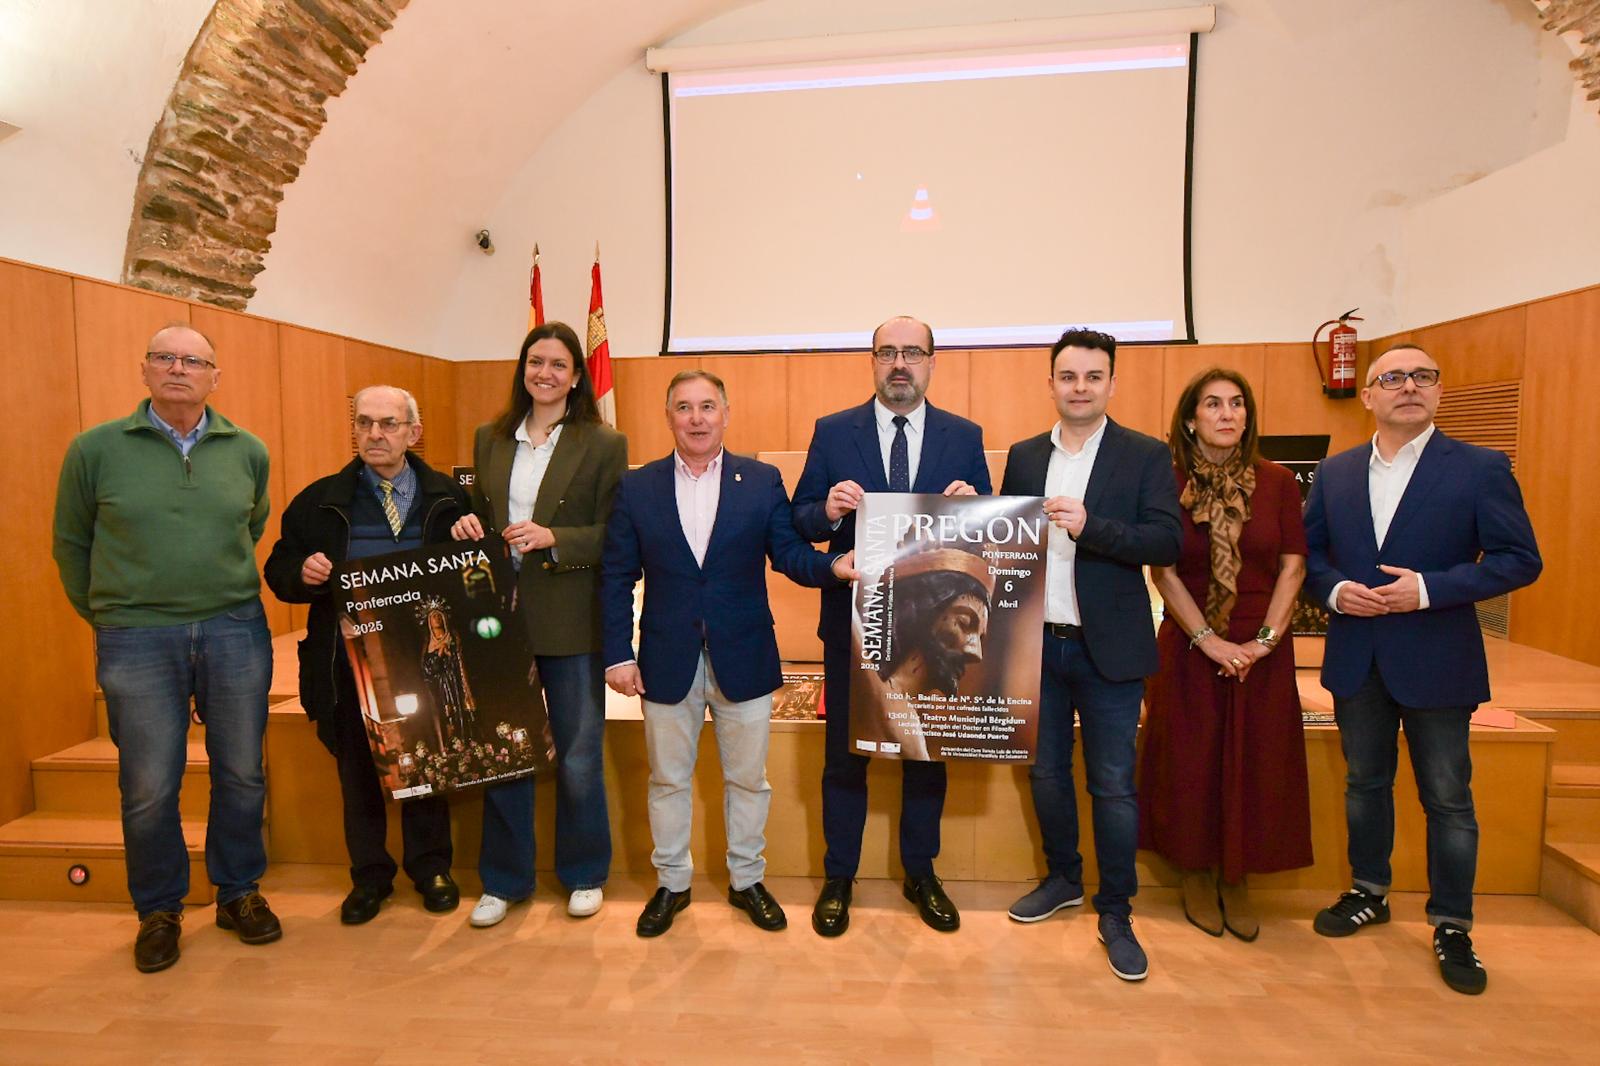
{"x": 1339, "y": 381}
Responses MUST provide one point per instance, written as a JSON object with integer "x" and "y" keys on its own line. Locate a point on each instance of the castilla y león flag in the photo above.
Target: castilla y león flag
{"x": 599, "y": 353}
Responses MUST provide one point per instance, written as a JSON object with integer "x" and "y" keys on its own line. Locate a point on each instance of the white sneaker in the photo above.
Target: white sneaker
{"x": 584, "y": 902}
{"x": 489, "y": 910}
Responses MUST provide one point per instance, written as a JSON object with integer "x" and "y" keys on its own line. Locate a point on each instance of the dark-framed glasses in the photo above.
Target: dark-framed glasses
{"x": 912, "y": 355}
{"x": 1425, "y": 378}
{"x": 364, "y": 424}
{"x": 190, "y": 363}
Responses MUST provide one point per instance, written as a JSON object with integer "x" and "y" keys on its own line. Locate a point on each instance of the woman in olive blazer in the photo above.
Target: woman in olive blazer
{"x": 547, "y": 469}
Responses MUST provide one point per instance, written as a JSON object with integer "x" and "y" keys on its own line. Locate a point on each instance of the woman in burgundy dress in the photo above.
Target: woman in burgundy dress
{"x": 1222, "y": 785}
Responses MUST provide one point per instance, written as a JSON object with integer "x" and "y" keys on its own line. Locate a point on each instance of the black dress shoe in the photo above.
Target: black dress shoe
{"x": 758, "y": 903}
{"x": 156, "y": 946}
{"x": 440, "y": 894}
{"x": 935, "y": 907}
{"x": 251, "y": 918}
{"x": 361, "y": 905}
{"x": 831, "y": 915}
{"x": 659, "y": 912}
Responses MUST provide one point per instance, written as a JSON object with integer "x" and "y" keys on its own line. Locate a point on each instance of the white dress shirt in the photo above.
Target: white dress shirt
{"x": 697, "y": 501}
{"x": 527, "y": 474}
{"x": 1386, "y": 484}
{"x": 886, "y": 430}
{"x": 1068, "y": 475}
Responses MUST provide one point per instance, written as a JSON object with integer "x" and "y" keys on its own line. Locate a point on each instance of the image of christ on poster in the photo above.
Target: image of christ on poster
{"x": 947, "y": 627}
{"x": 449, "y": 693}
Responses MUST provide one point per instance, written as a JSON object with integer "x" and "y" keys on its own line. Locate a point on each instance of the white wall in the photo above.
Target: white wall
{"x": 86, "y": 81}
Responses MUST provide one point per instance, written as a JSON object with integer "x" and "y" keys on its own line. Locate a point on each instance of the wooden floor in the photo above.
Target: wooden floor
{"x": 411, "y": 987}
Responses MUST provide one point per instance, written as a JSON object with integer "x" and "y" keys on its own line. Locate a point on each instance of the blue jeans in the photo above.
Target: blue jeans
{"x": 148, "y": 674}
{"x": 1108, "y": 713}
{"x": 1369, "y": 725}
{"x": 574, "y": 687}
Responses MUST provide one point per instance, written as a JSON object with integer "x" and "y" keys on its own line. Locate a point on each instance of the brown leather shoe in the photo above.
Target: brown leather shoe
{"x": 831, "y": 915}
{"x": 758, "y": 903}
{"x": 156, "y": 946}
{"x": 251, "y": 918}
{"x": 1200, "y": 901}
{"x": 1237, "y": 914}
{"x": 937, "y": 911}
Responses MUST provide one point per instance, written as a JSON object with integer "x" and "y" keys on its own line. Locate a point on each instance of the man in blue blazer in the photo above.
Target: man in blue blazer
{"x": 698, "y": 526}
{"x": 1112, "y": 500}
{"x": 895, "y": 442}
{"x": 1406, "y": 534}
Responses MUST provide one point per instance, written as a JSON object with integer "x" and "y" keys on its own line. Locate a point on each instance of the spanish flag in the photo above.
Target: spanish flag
{"x": 535, "y": 293}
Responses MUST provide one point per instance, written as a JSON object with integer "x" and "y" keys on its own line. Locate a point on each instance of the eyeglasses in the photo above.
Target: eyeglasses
{"x": 190, "y": 363}
{"x": 364, "y": 424}
{"x": 1424, "y": 378}
{"x": 912, "y": 355}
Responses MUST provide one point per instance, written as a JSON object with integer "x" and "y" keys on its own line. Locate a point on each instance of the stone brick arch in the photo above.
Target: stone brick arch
{"x": 247, "y": 104}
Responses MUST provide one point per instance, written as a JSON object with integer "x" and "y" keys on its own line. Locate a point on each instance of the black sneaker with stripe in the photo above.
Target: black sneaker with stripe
{"x": 1458, "y": 963}
{"x": 1355, "y": 909}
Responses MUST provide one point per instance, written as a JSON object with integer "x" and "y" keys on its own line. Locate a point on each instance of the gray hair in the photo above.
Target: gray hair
{"x": 412, "y": 412}
{"x": 697, "y": 375}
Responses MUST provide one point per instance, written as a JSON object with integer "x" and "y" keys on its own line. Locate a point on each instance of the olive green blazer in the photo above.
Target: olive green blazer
{"x": 560, "y": 595}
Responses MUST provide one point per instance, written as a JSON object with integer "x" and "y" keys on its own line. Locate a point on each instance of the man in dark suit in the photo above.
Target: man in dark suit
{"x": 1406, "y": 534}
{"x": 895, "y": 442}
{"x": 384, "y": 500}
{"x": 698, "y": 526}
{"x": 1112, "y": 501}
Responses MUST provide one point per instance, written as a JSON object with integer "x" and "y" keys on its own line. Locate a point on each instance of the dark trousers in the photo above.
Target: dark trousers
{"x": 1108, "y": 714}
{"x": 844, "y": 787}
{"x": 1369, "y": 726}
{"x": 424, "y": 822}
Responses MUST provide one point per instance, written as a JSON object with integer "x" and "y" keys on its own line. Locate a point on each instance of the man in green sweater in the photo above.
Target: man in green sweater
{"x": 157, "y": 516}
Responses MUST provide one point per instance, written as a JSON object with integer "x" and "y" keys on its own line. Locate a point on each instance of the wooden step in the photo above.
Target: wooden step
{"x": 82, "y": 779}
{"x": 1577, "y": 734}
{"x": 1570, "y": 879}
{"x": 38, "y": 850}
{"x": 1575, "y": 780}
{"x": 1572, "y": 819}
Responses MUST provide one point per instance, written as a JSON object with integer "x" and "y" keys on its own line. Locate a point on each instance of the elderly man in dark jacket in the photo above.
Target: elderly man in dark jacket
{"x": 385, "y": 500}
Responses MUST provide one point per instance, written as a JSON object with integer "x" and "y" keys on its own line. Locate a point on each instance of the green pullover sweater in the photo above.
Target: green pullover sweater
{"x": 146, "y": 537}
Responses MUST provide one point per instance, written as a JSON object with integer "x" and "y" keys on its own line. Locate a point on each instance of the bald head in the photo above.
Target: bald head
{"x": 187, "y": 337}
{"x": 1402, "y": 408}
{"x": 390, "y": 396}
{"x": 1400, "y": 357}
{"x": 901, "y": 322}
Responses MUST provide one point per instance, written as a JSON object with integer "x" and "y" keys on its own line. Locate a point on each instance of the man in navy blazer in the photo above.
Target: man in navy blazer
{"x": 1406, "y": 534}
{"x": 1112, "y": 500}
{"x": 699, "y": 526}
{"x": 895, "y": 442}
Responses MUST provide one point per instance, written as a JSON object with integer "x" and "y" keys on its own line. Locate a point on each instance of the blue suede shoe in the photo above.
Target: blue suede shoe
{"x": 1127, "y": 958}
{"x": 1053, "y": 893}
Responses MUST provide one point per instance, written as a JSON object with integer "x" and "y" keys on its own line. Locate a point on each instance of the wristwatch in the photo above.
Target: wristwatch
{"x": 1268, "y": 636}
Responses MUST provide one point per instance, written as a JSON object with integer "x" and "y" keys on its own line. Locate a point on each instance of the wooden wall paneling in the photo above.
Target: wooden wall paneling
{"x": 113, "y": 324}
{"x": 47, "y": 701}
{"x": 641, "y": 387}
{"x": 1290, "y": 400}
{"x": 1487, "y": 347}
{"x": 481, "y": 391}
{"x": 756, "y": 391}
{"x": 249, "y": 393}
{"x": 440, "y": 438}
{"x": 1010, "y": 395}
{"x": 1138, "y": 403}
{"x": 316, "y": 416}
{"x": 373, "y": 364}
{"x": 1560, "y": 480}
{"x": 1183, "y": 362}
{"x": 950, "y": 386}
{"x": 822, "y": 384}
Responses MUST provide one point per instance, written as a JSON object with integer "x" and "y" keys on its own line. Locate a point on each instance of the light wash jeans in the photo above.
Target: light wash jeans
{"x": 672, "y": 739}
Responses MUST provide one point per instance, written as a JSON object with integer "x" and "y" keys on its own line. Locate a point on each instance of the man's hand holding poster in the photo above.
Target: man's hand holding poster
{"x": 947, "y": 627}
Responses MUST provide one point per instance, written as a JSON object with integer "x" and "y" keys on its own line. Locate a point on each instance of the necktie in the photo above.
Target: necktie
{"x": 899, "y": 458}
{"x": 390, "y": 511}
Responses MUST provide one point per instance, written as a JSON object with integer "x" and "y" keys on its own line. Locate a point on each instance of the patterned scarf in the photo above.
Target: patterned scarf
{"x": 1218, "y": 495}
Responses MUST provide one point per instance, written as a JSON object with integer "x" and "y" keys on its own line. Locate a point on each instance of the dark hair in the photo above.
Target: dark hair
{"x": 1078, "y": 337}
{"x": 581, "y": 403}
{"x": 697, "y": 375}
{"x": 1183, "y": 445}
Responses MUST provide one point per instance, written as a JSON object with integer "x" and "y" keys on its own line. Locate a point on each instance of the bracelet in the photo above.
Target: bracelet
{"x": 1201, "y": 634}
